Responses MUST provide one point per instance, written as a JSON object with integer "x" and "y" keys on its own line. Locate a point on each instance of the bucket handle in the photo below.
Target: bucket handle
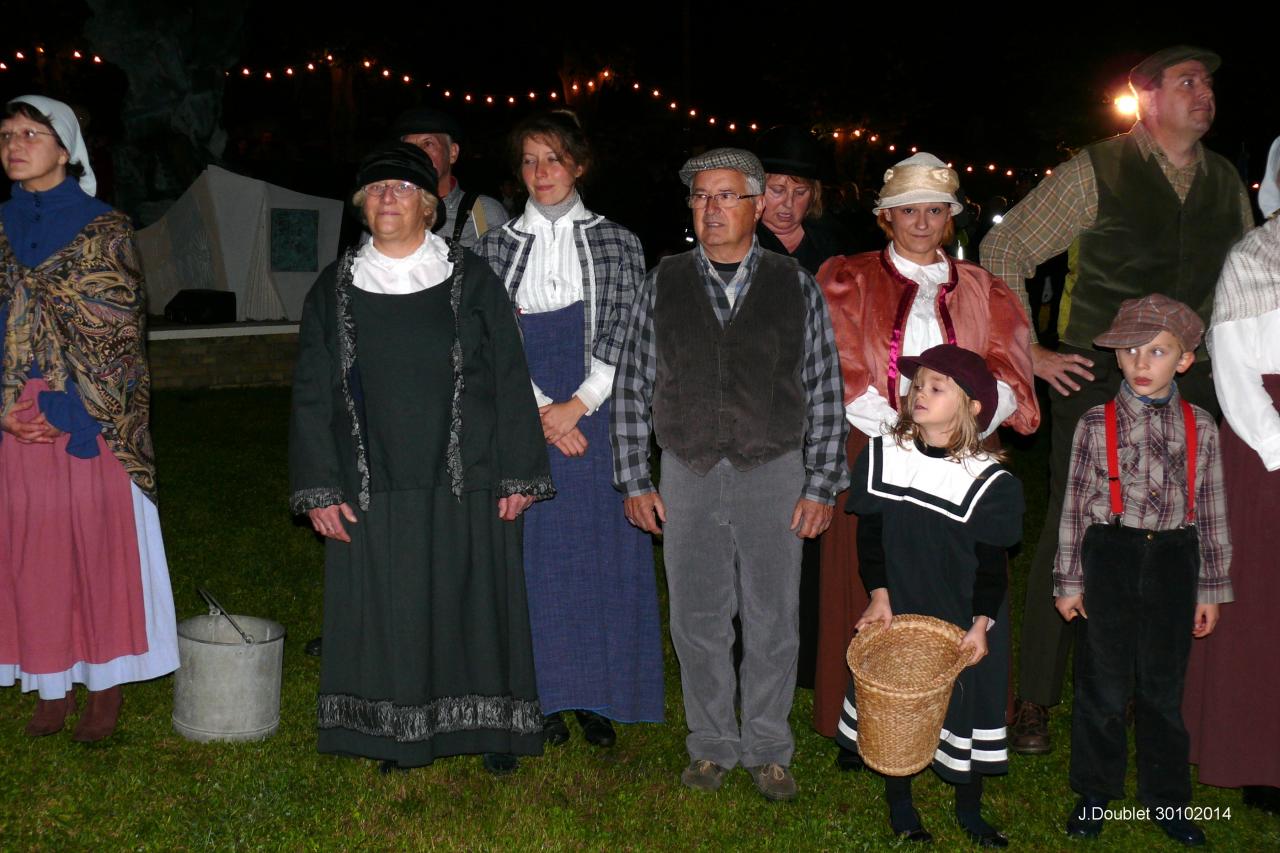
{"x": 216, "y": 609}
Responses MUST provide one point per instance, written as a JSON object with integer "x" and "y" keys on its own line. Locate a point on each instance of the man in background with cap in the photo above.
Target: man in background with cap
{"x": 1151, "y": 210}
{"x": 465, "y": 215}
{"x": 731, "y": 363}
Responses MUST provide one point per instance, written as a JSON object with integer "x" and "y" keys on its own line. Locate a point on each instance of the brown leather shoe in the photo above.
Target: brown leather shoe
{"x": 51, "y": 714}
{"x": 100, "y": 714}
{"x": 1029, "y": 734}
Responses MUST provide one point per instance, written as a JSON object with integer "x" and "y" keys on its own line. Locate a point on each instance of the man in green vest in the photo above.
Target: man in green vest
{"x": 1149, "y": 211}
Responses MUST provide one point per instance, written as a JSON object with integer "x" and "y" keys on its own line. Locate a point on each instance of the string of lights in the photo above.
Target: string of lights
{"x": 588, "y": 85}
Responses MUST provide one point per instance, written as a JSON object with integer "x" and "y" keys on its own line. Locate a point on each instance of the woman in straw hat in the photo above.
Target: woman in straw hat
{"x": 897, "y": 302}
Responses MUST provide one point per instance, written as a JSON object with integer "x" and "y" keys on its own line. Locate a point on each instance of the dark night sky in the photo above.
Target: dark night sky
{"x": 971, "y": 85}
{"x": 996, "y": 85}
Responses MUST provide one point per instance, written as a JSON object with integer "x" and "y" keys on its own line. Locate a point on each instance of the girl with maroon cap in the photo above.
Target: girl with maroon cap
{"x": 936, "y": 515}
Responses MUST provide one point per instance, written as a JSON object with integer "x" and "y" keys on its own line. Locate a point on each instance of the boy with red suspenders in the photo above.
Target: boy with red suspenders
{"x": 1142, "y": 558}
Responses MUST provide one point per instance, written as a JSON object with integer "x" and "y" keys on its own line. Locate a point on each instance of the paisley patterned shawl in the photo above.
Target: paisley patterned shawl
{"x": 78, "y": 315}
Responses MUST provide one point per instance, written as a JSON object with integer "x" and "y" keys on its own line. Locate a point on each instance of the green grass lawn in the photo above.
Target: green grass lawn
{"x": 223, "y": 506}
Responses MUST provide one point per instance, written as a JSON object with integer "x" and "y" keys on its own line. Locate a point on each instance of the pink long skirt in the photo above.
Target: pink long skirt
{"x": 70, "y": 580}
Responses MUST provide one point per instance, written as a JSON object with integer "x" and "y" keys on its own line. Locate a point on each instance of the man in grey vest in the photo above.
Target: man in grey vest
{"x": 1149, "y": 211}
{"x": 464, "y": 216}
{"x": 731, "y": 363}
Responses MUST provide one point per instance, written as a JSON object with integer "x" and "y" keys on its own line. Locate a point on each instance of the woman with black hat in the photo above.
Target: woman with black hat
{"x": 792, "y": 223}
{"x": 414, "y": 448}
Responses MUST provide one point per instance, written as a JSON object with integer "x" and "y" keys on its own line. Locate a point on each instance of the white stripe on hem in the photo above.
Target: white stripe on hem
{"x": 161, "y": 656}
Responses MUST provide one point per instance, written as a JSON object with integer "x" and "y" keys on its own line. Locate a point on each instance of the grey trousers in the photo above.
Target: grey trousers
{"x": 729, "y": 550}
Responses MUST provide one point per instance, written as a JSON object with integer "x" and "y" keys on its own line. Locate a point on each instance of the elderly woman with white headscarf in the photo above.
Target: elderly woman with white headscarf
{"x": 897, "y": 302}
{"x": 1233, "y": 677}
{"x": 84, "y": 587}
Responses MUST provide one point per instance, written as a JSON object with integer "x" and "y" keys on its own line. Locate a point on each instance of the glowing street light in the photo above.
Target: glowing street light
{"x": 1126, "y": 105}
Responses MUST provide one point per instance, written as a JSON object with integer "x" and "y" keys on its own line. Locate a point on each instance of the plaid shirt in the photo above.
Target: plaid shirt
{"x": 612, "y": 270}
{"x": 827, "y": 471}
{"x": 1153, "y": 479}
{"x": 1054, "y": 214}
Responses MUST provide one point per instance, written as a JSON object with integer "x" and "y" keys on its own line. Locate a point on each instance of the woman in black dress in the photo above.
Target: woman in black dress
{"x": 414, "y": 448}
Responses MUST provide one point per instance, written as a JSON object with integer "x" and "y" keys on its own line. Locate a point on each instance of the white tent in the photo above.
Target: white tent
{"x": 265, "y": 243}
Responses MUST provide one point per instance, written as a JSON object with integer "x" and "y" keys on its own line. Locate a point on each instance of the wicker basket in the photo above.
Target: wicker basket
{"x": 903, "y": 678}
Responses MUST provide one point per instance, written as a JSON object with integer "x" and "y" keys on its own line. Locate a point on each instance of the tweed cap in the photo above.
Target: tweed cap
{"x": 426, "y": 120}
{"x": 918, "y": 179}
{"x": 1145, "y": 74}
{"x": 399, "y": 161}
{"x": 738, "y": 159}
{"x": 968, "y": 370}
{"x": 1139, "y": 320}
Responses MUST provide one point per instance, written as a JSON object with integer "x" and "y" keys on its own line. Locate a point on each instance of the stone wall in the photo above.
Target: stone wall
{"x": 209, "y": 361}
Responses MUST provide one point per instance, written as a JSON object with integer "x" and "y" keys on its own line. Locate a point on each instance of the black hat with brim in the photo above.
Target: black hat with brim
{"x": 426, "y": 120}
{"x": 399, "y": 161}
{"x": 790, "y": 150}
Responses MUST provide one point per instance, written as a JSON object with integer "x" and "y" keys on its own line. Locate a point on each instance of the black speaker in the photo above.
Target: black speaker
{"x": 204, "y": 307}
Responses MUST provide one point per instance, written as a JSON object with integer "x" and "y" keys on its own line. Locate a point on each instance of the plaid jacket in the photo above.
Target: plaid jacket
{"x": 1152, "y": 451}
{"x": 826, "y": 467}
{"x": 612, "y": 271}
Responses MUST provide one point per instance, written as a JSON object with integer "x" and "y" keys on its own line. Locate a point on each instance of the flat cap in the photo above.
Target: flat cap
{"x": 1145, "y": 74}
{"x": 426, "y": 120}
{"x": 737, "y": 159}
{"x": 1139, "y": 320}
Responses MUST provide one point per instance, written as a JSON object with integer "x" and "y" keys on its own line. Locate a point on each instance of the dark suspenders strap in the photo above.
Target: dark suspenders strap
{"x": 464, "y": 214}
{"x": 1113, "y": 459}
